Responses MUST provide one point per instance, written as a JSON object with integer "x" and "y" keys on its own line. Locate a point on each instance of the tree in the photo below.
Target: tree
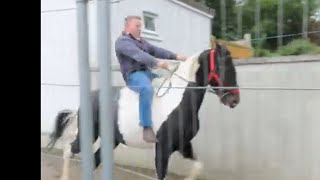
{"x": 231, "y": 29}
{"x": 292, "y": 19}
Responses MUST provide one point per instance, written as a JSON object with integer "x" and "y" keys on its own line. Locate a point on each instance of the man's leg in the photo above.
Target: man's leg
{"x": 140, "y": 82}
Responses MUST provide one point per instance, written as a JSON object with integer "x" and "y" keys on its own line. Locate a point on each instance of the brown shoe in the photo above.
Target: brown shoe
{"x": 149, "y": 136}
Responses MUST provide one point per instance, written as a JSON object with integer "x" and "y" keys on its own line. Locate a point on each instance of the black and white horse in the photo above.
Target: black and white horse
{"x": 175, "y": 115}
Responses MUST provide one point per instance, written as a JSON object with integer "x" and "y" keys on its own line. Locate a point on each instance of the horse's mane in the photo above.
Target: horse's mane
{"x": 186, "y": 72}
{"x": 189, "y": 68}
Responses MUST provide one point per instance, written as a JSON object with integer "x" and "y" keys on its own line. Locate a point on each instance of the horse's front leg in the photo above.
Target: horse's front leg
{"x": 187, "y": 152}
{"x": 162, "y": 159}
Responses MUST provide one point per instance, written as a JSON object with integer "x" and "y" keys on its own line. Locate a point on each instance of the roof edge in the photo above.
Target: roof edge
{"x": 191, "y": 8}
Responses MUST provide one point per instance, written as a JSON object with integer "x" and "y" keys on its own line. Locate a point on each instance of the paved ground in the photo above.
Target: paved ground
{"x": 51, "y": 165}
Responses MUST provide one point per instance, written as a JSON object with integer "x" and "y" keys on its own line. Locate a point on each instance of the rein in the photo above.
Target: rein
{"x": 172, "y": 72}
{"x": 212, "y": 75}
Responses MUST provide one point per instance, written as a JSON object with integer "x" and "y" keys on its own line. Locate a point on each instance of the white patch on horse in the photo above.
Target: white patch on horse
{"x": 128, "y": 112}
{"x": 71, "y": 130}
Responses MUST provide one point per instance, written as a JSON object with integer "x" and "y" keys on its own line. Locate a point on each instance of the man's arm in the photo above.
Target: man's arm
{"x": 160, "y": 52}
{"x": 127, "y": 47}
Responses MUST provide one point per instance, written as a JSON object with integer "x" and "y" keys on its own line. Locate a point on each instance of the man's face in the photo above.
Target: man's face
{"x": 134, "y": 27}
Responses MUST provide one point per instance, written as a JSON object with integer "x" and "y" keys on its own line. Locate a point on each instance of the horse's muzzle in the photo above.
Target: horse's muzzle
{"x": 230, "y": 99}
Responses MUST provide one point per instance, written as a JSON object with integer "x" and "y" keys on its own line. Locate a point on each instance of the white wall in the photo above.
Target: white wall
{"x": 180, "y": 29}
{"x": 58, "y": 60}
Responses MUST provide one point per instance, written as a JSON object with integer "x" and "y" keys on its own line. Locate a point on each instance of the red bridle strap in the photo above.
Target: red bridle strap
{"x": 235, "y": 91}
{"x": 212, "y": 73}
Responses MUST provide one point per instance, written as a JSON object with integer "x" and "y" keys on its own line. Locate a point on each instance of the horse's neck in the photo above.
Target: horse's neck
{"x": 188, "y": 69}
{"x": 196, "y": 94}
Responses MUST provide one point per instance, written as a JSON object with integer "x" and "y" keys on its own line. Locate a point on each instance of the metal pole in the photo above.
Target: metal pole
{"x": 223, "y": 18}
{"x": 257, "y": 22}
{"x": 305, "y": 18}
{"x": 239, "y": 20}
{"x": 280, "y": 22}
{"x": 104, "y": 59}
{"x": 86, "y": 128}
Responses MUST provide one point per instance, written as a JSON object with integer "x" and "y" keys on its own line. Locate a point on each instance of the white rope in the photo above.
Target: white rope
{"x": 116, "y": 166}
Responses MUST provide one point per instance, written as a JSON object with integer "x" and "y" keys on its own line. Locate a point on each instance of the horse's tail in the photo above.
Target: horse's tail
{"x": 63, "y": 119}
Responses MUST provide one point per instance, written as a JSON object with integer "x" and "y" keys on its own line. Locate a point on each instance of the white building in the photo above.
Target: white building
{"x": 170, "y": 24}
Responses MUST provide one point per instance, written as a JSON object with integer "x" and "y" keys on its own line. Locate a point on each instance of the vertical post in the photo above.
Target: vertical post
{"x": 223, "y": 18}
{"x": 106, "y": 112}
{"x": 86, "y": 128}
{"x": 239, "y": 19}
{"x": 280, "y": 22}
{"x": 305, "y": 20}
{"x": 257, "y": 22}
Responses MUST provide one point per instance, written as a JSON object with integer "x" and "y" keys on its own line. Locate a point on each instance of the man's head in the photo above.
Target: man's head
{"x": 133, "y": 25}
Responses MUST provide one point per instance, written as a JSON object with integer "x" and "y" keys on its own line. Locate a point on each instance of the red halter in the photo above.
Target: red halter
{"x": 213, "y": 73}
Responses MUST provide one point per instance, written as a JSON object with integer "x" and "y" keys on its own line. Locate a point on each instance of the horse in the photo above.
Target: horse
{"x": 174, "y": 115}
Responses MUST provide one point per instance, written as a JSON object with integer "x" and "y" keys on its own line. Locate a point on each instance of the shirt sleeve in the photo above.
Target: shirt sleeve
{"x": 160, "y": 52}
{"x": 126, "y": 47}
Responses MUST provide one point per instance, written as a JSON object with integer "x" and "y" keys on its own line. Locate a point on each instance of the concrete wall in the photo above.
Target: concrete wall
{"x": 272, "y": 134}
{"x": 58, "y": 60}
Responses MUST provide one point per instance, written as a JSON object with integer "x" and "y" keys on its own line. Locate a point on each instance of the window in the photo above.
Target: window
{"x": 149, "y": 21}
{"x": 150, "y": 29}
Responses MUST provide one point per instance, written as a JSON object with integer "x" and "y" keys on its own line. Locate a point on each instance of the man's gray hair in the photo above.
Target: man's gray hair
{"x": 129, "y": 18}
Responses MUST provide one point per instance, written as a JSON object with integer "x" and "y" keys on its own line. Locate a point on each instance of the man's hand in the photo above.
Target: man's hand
{"x": 181, "y": 57}
{"x": 162, "y": 64}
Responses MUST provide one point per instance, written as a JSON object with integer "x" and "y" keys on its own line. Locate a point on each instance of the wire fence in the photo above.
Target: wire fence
{"x": 285, "y": 35}
{"x": 206, "y": 87}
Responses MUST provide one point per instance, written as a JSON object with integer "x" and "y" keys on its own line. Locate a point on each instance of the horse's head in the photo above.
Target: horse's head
{"x": 217, "y": 70}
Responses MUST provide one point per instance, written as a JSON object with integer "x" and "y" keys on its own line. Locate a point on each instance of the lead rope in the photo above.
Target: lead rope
{"x": 172, "y": 72}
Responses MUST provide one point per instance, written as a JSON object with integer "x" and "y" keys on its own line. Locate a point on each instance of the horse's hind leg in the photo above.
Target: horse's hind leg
{"x": 187, "y": 152}
{"x": 66, "y": 160}
{"x": 97, "y": 154}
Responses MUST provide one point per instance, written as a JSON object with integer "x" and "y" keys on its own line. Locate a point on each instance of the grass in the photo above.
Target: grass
{"x": 298, "y": 47}
{"x": 295, "y": 47}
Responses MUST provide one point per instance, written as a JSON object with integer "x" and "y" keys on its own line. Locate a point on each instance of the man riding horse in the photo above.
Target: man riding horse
{"x": 136, "y": 56}
{"x": 175, "y": 118}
